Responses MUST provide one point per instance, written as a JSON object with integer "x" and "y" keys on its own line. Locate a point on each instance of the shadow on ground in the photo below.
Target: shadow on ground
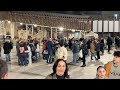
{"x": 96, "y": 63}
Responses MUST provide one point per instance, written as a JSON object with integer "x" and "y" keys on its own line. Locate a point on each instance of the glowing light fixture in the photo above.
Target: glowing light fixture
{"x": 21, "y": 23}
{"x": 61, "y": 28}
{"x": 73, "y": 30}
{"x": 35, "y": 25}
{"x": 115, "y": 15}
{"x": 9, "y": 22}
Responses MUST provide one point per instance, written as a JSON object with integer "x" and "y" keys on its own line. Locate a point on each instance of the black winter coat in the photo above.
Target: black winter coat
{"x": 7, "y": 47}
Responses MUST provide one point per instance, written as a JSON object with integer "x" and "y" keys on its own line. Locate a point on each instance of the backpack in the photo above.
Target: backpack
{"x": 22, "y": 49}
{"x": 11, "y": 46}
{"x": 33, "y": 48}
{"x": 84, "y": 48}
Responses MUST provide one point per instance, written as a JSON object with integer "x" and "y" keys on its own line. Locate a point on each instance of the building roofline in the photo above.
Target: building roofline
{"x": 52, "y": 14}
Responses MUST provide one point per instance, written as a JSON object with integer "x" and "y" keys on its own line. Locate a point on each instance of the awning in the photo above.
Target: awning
{"x": 78, "y": 22}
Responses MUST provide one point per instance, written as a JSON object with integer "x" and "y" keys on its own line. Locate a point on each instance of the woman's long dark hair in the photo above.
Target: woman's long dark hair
{"x": 100, "y": 67}
{"x": 55, "y": 66}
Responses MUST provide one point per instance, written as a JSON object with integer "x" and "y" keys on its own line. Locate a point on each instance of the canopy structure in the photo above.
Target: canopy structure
{"x": 77, "y": 22}
{"x": 91, "y": 34}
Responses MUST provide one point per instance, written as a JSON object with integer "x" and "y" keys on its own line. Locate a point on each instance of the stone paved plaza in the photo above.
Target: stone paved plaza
{"x": 40, "y": 70}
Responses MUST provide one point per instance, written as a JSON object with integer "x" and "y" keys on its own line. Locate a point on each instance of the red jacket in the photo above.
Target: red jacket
{"x": 44, "y": 45}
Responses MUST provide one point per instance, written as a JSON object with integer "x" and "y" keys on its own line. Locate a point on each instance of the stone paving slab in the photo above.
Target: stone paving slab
{"x": 40, "y": 70}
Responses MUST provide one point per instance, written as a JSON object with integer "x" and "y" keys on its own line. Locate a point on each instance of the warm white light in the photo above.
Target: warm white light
{"x": 2, "y": 21}
{"x": 21, "y": 23}
{"x": 73, "y": 30}
{"x": 61, "y": 28}
{"x": 115, "y": 15}
{"x": 35, "y": 25}
{"x": 8, "y": 21}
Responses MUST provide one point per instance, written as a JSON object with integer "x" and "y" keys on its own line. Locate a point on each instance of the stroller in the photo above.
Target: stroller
{"x": 36, "y": 57}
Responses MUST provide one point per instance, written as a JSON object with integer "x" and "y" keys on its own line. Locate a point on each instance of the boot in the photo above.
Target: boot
{"x": 91, "y": 58}
{"x": 83, "y": 65}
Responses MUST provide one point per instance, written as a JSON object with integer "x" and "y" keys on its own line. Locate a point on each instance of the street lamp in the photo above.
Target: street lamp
{"x": 35, "y": 25}
{"x": 116, "y": 15}
{"x": 61, "y": 28}
{"x": 73, "y": 30}
{"x": 115, "y": 18}
{"x": 21, "y": 23}
{"x": 8, "y": 21}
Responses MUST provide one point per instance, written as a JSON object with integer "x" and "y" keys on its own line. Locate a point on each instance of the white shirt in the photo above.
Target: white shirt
{"x": 62, "y": 51}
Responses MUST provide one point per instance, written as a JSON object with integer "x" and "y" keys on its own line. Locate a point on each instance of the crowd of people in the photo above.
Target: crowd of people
{"x": 56, "y": 51}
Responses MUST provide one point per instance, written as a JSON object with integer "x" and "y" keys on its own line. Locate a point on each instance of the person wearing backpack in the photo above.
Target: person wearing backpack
{"x": 33, "y": 49}
{"x": 98, "y": 49}
{"x": 22, "y": 53}
{"x": 44, "y": 48}
{"x": 29, "y": 54}
{"x": 84, "y": 52}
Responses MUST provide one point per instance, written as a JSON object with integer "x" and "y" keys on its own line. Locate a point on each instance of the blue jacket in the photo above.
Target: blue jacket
{"x": 49, "y": 46}
{"x": 75, "y": 48}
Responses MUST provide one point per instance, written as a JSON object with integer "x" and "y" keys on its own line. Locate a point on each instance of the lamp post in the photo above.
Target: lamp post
{"x": 116, "y": 15}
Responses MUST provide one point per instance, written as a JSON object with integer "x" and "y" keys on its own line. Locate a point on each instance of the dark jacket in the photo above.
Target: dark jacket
{"x": 98, "y": 47}
{"x": 17, "y": 48}
{"x": 7, "y": 47}
{"x": 88, "y": 44}
{"x": 116, "y": 40}
{"x": 0, "y": 45}
{"x": 53, "y": 77}
{"x": 84, "y": 49}
{"x": 102, "y": 41}
{"x": 109, "y": 41}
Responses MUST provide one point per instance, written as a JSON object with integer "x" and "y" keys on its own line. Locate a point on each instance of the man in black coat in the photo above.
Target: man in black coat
{"x": 98, "y": 49}
{"x": 7, "y": 46}
{"x": 109, "y": 43}
{"x": 116, "y": 42}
